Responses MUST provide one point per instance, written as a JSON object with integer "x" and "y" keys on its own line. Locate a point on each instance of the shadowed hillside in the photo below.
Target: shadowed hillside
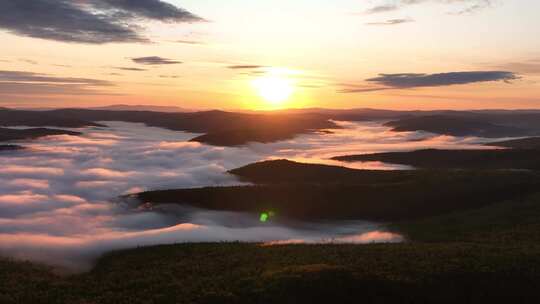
{"x": 7, "y": 134}
{"x": 253, "y": 134}
{"x": 10, "y": 148}
{"x": 286, "y": 171}
{"x": 456, "y": 159}
{"x": 317, "y": 192}
{"x": 234, "y": 128}
{"x": 523, "y": 143}
{"x": 457, "y": 126}
{"x": 221, "y": 128}
{"x": 42, "y": 119}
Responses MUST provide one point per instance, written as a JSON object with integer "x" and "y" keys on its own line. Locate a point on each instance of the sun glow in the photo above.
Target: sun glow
{"x": 274, "y": 88}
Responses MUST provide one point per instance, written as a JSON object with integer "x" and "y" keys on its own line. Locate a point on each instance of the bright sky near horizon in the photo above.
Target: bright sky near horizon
{"x": 267, "y": 54}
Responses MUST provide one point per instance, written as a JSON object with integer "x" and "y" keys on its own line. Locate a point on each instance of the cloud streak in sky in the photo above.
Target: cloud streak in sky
{"x": 151, "y": 9}
{"x": 90, "y": 21}
{"x": 474, "y": 7}
{"x": 382, "y": 8}
{"x": 467, "y": 6}
{"x": 246, "y": 67}
{"x": 29, "y": 83}
{"x": 525, "y": 67}
{"x": 411, "y": 80}
{"x": 191, "y": 42}
{"x": 414, "y": 80}
{"x": 154, "y": 60}
{"x": 129, "y": 69}
{"x": 391, "y": 22}
{"x": 21, "y": 76}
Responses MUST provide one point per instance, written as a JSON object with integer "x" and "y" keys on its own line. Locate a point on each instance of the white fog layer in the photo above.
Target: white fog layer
{"x": 59, "y": 197}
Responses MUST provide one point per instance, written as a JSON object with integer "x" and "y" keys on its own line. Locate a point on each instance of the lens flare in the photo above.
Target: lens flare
{"x": 264, "y": 217}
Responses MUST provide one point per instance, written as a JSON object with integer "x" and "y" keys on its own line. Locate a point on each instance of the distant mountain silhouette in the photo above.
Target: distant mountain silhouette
{"x": 42, "y": 119}
{"x": 151, "y": 108}
{"x": 235, "y": 128}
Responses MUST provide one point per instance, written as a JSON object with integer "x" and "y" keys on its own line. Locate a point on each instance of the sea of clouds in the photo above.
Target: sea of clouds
{"x": 59, "y": 199}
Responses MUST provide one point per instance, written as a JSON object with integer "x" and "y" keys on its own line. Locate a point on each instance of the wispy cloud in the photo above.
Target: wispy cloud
{"x": 192, "y": 42}
{"x": 29, "y": 83}
{"x": 130, "y": 69}
{"x": 45, "y": 78}
{"x": 155, "y": 60}
{"x": 89, "y": 21}
{"x": 466, "y": 6}
{"x": 169, "y": 76}
{"x": 382, "y": 9}
{"x": 29, "y": 61}
{"x": 474, "y": 7}
{"x": 246, "y": 67}
{"x": 415, "y": 80}
{"x": 360, "y": 88}
{"x": 391, "y": 22}
{"x": 524, "y": 67}
{"x": 42, "y": 89}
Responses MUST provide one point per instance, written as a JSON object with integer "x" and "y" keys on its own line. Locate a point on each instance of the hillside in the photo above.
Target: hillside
{"x": 7, "y": 134}
{"x": 457, "y": 159}
{"x": 457, "y": 126}
{"x": 261, "y": 134}
{"x": 238, "y": 128}
{"x": 317, "y": 192}
{"x": 286, "y": 171}
{"x": 10, "y": 147}
{"x": 222, "y": 128}
{"x": 522, "y": 143}
{"x": 10, "y": 118}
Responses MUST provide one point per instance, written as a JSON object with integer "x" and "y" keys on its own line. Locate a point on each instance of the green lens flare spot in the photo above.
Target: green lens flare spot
{"x": 264, "y": 217}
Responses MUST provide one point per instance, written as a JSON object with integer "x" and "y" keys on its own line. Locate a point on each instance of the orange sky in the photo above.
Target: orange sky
{"x": 304, "y": 53}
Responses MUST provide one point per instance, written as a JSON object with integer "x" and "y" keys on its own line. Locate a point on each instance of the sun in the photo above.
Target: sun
{"x": 274, "y": 89}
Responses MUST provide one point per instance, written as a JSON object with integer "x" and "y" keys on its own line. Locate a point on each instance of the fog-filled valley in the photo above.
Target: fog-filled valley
{"x": 61, "y": 196}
